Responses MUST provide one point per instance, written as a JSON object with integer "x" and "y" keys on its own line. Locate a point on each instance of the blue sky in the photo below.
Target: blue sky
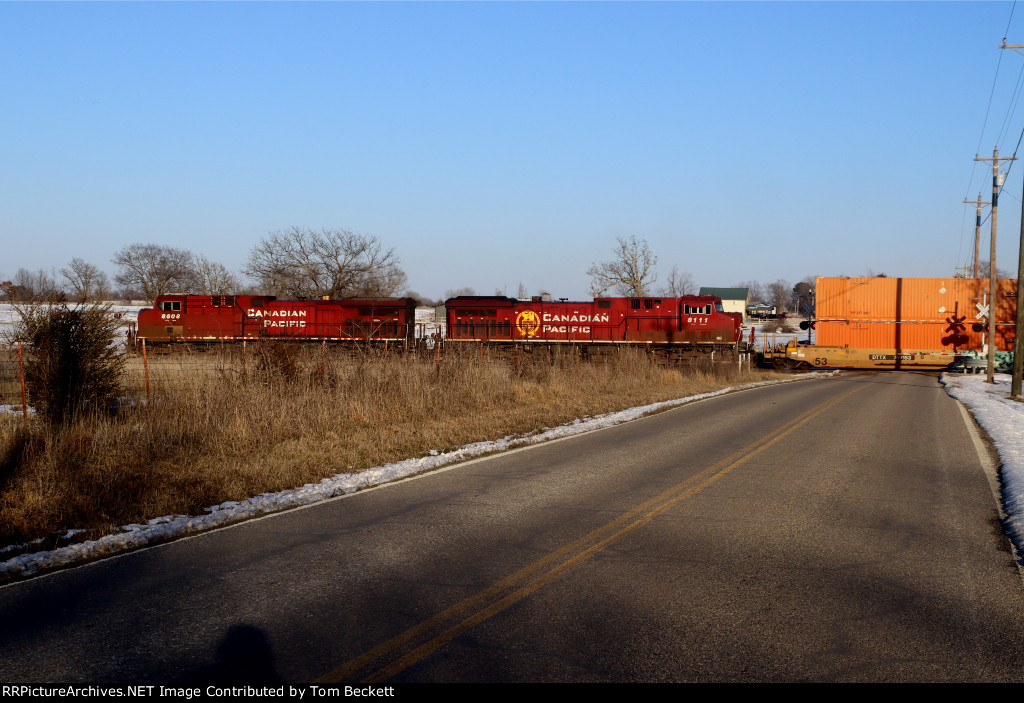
{"x": 499, "y": 143}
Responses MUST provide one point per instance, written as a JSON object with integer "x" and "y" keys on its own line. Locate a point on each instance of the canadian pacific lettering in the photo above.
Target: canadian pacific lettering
{"x": 268, "y": 316}
{"x": 554, "y": 317}
{"x": 564, "y": 328}
{"x": 258, "y": 312}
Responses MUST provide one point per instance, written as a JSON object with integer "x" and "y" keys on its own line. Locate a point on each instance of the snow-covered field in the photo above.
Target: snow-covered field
{"x": 8, "y": 315}
{"x": 764, "y": 338}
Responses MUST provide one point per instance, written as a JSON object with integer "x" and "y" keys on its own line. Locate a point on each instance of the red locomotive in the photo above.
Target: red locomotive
{"x": 693, "y": 322}
{"x": 233, "y": 318}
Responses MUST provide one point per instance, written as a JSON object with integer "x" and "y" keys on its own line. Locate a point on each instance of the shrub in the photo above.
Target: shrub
{"x": 781, "y": 326}
{"x": 72, "y": 363}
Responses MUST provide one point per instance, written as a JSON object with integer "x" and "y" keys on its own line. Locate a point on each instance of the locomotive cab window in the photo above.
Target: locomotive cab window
{"x": 170, "y": 306}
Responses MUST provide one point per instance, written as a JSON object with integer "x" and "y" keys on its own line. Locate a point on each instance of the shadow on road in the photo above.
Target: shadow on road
{"x": 244, "y": 656}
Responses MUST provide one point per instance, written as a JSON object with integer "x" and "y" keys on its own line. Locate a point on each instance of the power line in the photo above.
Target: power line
{"x": 1012, "y": 107}
{"x": 984, "y": 124}
{"x": 1003, "y": 128}
{"x": 988, "y": 107}
{"x": 992, "y": 92}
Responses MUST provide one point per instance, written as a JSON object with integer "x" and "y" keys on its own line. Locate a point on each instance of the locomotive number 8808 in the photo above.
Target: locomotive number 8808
{"x": 233, "y": 318}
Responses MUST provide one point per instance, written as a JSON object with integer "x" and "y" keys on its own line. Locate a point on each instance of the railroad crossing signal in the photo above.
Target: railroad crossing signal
{"x": 983, "y": 312}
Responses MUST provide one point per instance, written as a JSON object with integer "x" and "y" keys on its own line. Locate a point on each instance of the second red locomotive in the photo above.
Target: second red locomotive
{"x": 697, "y": 322}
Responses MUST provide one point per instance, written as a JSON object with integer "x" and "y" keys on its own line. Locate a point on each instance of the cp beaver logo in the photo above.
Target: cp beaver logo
{"x": 528, "y": 323}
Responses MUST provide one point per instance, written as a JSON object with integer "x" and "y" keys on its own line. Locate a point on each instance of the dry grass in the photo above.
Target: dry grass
{"x": 218, "y": 430}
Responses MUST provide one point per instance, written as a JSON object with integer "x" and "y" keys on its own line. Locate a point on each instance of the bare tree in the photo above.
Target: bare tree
{"x": 421, "y": 300}
{"x": 780, "y": 295}
{"x": 85, "y": 280}
{"x": 387, "y": 282}
{"x": 678, "y": 284}
{"x": 466, "y": 290}
{"x": 153, "y": 269}
{"x": 129, "y": 294}
{"x": 301, "y": 263}
{"x": 212, "y": 278}
{"x": 803, "y": 296}
{"x": 39, "y": 285}
{"x": 631, "y": 272}
{"x": 985, "y": 266}
{"x": 756, "y": 292}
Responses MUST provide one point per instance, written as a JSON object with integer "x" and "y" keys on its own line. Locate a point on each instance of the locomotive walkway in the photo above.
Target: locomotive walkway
{"x": 838, "y": 529}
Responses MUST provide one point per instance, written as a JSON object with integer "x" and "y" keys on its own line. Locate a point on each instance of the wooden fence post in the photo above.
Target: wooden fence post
{"x": 21, "y": 369}
{"x": 145, "y": 368}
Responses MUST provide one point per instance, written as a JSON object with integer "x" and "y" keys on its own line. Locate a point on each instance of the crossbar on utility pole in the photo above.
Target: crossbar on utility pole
{"x": 995, "y": 159}
{"x": 1015, "y": 47}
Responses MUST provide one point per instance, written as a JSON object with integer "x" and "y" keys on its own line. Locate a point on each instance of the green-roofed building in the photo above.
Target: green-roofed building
{"x": 733, "y": 299}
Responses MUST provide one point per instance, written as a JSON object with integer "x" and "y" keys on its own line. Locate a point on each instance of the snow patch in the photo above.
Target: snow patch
{"x": 1003, "y": 420}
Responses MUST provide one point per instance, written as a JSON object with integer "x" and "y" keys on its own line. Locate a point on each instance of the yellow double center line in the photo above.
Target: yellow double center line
{"x": 482, "y": 605}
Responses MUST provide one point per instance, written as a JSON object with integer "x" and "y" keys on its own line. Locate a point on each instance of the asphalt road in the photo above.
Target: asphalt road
{"x": 840, "y": 529}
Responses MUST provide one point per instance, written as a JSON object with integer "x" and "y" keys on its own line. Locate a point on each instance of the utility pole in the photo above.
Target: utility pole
{"x": 997, "y": 180}
{"x": 977, "y": 232}
{"x": 1018, "y": 344}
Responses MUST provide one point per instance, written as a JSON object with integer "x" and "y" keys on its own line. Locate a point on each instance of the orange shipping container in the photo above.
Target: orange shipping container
{"x": 911, "y": 313}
